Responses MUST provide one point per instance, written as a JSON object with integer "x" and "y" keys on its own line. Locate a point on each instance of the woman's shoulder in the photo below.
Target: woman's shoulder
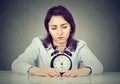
{"x": 38, "y": 39}
{"x": 80, "y": 43}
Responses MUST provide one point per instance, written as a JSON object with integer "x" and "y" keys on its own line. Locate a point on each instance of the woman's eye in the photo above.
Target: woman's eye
{"x": 64, "y": 27}
{"x": 53, "y": 28}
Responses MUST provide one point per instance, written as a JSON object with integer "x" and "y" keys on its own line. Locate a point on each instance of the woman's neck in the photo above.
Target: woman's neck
{"x": 59, "y": 46}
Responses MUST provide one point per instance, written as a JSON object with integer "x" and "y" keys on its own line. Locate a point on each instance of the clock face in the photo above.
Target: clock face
{"x": 61, "y": 62}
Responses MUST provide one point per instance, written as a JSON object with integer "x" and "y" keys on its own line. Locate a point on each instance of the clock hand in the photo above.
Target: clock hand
{"x": 64, "y": 60}
{"x": 59, "y": 60}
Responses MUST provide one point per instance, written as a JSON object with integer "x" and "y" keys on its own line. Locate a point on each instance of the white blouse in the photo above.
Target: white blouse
{"x": 37, "y": 55}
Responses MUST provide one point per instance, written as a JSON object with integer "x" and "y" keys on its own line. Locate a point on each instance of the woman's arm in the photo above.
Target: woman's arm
{"x": 47, "y": 72}
{"x": 27, "y": 59}
{"x": 77, "y": 72}
{"x": 91, "y": 64}
{"x": 90, "y": 60}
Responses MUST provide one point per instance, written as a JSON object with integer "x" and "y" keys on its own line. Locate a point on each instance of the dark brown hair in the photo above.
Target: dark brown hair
{"x": 62, "y": 11}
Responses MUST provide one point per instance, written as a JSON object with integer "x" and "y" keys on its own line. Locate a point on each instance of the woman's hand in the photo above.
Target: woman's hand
{"x": 47, "y": 72}
{"x": 77, "y": 72}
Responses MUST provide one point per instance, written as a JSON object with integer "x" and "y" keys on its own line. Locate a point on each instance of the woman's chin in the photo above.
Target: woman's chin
{"x": 61, "y": 42}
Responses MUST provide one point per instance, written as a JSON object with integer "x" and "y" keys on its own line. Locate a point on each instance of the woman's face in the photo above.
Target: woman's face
{"x": 59, "y": 29}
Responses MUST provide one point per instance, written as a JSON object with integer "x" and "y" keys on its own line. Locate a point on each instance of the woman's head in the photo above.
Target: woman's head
{"x": 59, "y": 11}
{"x": 58, "y": 19}
{"x": 59, "y": 29}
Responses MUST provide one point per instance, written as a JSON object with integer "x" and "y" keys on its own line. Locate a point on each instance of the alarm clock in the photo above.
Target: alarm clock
{"x": 62, "y": 62}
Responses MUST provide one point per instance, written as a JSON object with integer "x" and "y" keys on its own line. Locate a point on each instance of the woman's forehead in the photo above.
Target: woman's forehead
{"x": 56, "y": 20}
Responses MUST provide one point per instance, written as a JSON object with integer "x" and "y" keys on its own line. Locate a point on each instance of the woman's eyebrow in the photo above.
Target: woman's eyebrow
{"x": 53, "y": 25}
{"x": 63, "y": 24}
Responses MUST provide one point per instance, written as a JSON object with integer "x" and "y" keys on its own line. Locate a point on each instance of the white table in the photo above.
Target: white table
{"x": 7, "y": 77}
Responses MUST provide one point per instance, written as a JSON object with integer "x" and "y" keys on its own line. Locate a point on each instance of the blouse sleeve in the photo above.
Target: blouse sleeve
{"x": 90, "y": 60}
{"x": 27, "y": 59}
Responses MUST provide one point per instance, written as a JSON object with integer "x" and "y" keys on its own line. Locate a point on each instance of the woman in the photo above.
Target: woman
{"x": 58, "y": 54}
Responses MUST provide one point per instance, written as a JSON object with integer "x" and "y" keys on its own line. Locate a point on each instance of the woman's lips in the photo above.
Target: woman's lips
{"x": 60, "y": 38}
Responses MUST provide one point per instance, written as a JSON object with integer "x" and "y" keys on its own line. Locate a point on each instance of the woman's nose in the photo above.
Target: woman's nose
{"x": 60, "y": 31}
